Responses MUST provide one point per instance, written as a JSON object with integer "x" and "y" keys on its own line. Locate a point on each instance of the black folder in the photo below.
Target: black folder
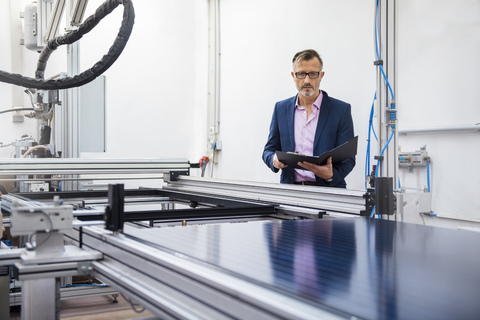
{"x": 338, "y": 154}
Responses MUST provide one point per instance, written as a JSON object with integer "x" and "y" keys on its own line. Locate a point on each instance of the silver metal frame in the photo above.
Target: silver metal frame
{"x": 288, "y": 197}
{"x": 71, "y": 170}
{"x": 175, "y": 286}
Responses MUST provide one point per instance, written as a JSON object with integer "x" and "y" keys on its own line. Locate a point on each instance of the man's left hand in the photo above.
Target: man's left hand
{"x": 324, "y": 172}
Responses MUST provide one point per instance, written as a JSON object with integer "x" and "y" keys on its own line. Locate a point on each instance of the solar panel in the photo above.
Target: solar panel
{"x": 373, "y": 269}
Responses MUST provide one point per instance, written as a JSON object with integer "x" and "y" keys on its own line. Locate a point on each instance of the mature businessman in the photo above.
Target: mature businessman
{"x": 310, "y": 123}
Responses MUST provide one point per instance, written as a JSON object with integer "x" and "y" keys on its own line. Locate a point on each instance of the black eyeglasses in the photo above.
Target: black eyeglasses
{"x": 311, "y": 75}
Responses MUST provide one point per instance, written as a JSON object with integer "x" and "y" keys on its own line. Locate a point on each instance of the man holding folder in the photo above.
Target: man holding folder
{"x": 310, "y": 123}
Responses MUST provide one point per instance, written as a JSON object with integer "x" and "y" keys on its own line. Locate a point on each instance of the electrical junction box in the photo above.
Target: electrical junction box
{"x": 218, "y": 145}
{"x": 32, "y": 27}
{"x": 39, "y": 187}
{"x": 17, "y": 116}
{"x": 412, "y": 159}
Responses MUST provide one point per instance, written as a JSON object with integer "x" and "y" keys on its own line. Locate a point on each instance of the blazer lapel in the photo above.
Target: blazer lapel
{"x": 322, "y": 120}
{"x": 291, "y": 122}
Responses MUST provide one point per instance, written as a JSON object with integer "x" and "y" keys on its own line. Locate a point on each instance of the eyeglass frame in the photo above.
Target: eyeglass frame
{"x": 308, "y": 74}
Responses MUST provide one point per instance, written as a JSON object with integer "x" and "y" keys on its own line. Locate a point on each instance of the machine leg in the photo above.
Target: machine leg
{"x": 40, "y": 299}
{"x": 5, "y": 297}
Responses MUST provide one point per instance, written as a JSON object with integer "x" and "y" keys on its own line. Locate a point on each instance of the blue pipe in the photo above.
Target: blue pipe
{"x": 378, "y": 54}
{"x": 372, "y": 215}
{"x": 383, "y": 150}
{"x": 428, "y": 176}
{"x": 370, "y": 128}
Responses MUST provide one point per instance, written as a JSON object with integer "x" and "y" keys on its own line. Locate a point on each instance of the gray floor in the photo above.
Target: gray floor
{"x": 95, "y": 308}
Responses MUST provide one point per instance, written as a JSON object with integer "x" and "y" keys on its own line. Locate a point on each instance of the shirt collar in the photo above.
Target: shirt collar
{"x": 316, "y": 103}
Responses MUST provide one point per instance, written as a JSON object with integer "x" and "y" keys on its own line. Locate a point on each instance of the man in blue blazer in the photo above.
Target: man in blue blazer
{"x": 310, "y": 123}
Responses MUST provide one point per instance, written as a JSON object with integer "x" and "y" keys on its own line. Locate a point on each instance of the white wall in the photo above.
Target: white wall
{"x": 438, "y": 68}
{"x": 157, "y": 90}
{"x": 10, "y": 38}
{"x": 438, "y": 44}
{"x": 258, "y": 42}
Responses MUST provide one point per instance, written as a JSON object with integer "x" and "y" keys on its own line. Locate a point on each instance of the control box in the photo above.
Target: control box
{"x": 413, "y": 159}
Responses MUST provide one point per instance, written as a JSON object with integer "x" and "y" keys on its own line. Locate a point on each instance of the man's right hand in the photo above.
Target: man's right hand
{"x": 277, "y": 164}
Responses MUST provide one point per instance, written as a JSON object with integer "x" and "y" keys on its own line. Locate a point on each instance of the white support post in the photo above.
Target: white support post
{"x": 214, "y": 55}
{"x": 72, "y": 109}
{"x": 40, "y": 297}
{"x": 390, "y": 70}
{"x": 386, "y": 47}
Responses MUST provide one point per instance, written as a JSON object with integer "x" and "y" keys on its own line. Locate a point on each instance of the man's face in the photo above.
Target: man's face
{"x": 308, "y": 87}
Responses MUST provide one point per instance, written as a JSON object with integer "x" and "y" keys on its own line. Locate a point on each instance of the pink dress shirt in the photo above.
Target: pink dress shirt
{"x": 305, "y": 135}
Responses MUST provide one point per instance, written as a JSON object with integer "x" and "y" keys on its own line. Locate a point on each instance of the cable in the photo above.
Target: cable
{"x": 371, "y": 116}
{"x": 393, "y": 115}
{"x": 428, "y": 176}
{"x": 50, "y": 232}
{"x": 133, "y": 305}
{"x": 29, "y": 93}
{"x": 97, "y": 69}
{"x": 12, "y": 143}
{"x": 383, "y": 150}
{"x": 421, "y": 215}
{"x": 84, "y": 285}
{"x": 51, "y": 119}
{"x": 214, "y": 148}
{"x": 372, "y": 215}
{"x": 370, "y": 129}
{"x": 34, "y": 148}
{"x": 378, "y": 54}
{"x": 16, "y": 109}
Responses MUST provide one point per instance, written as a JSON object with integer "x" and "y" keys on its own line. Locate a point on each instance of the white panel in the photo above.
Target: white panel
{"x": 258, "y": 42}
{"x": 438, "y": 68}
{"x": 92, "y": 116}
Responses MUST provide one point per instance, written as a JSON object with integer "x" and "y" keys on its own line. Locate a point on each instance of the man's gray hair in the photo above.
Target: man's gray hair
{"x": 306, "y": 55}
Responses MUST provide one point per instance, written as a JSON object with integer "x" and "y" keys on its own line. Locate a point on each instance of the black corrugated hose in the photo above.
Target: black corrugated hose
{"x": 97, "y": 69}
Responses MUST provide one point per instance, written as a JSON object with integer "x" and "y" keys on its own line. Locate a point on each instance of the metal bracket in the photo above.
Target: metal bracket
{"x": 369, "y": 197}
{"x": 384, "y": 198}
{"x": 85, "y": 268}
{"x": 173, "y": 175}
{"x": 114, "y": 213}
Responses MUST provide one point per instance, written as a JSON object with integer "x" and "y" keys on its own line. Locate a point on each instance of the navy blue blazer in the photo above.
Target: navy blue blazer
{"x": 335, "y": 127}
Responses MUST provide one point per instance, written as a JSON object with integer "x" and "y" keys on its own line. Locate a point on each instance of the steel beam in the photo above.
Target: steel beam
{"x": 321, "y": 198}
